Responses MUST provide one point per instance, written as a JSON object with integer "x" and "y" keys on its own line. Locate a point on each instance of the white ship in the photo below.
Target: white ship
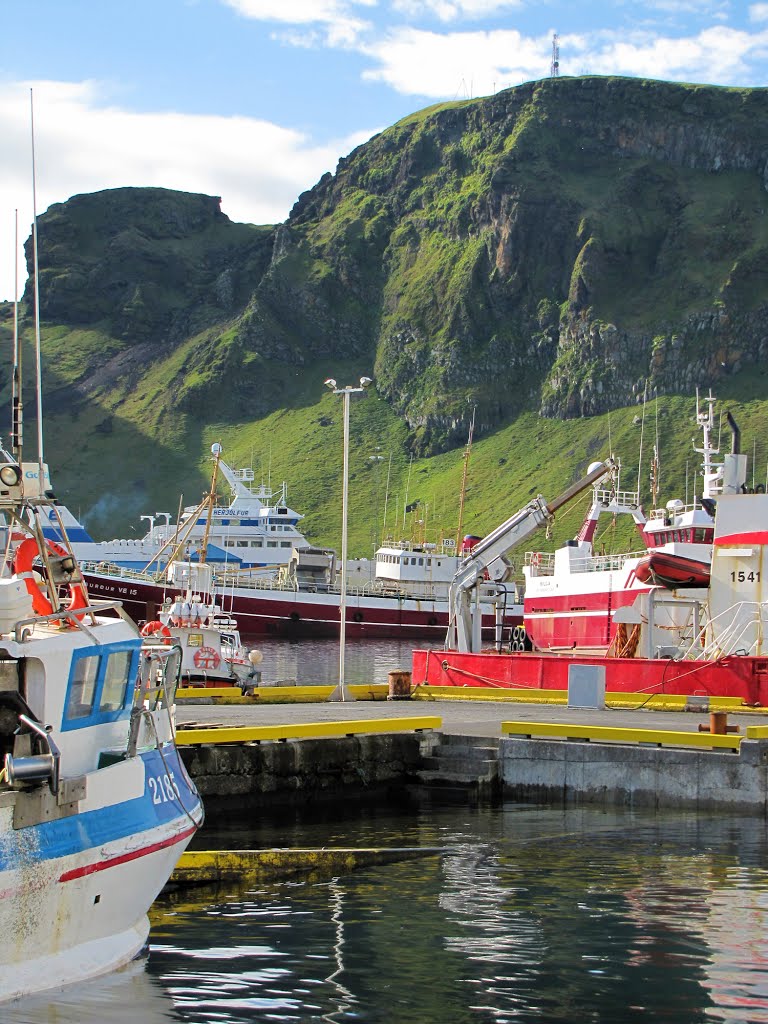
{"x": 256, "y": 529}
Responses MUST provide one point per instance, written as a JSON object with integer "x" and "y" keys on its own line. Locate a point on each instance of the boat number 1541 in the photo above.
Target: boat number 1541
{"x": 745, "y": 577}
{"x": 163, "y": 788}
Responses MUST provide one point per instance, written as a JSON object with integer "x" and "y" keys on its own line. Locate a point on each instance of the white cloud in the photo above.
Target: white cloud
{"x": 758, "y": 12}
{"x": 258, "y": 168}
{"x": 716, "y": 55}
{"x": 340, "y": 25}
{"x": 457, "y": 64}
{"x": 450, "y": 10}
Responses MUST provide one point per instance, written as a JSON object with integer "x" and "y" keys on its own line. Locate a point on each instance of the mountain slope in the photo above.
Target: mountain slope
{"x": 552, "y": 251}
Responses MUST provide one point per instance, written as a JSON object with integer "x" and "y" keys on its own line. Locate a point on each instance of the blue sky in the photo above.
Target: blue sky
{"x": 253, "y": 100}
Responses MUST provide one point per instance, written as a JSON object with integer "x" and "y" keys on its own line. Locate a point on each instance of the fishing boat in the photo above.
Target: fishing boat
{"x": 254, "y": 529}
{"x": 706, "y": 640}
{"x": 95, "y": 803}
{"x": 212, "y": 653}
{"x": 407, "y": 597}
{"x": 572, "y": 595}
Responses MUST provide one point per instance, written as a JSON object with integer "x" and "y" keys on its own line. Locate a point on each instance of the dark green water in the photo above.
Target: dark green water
{"x": 529, "y": 915}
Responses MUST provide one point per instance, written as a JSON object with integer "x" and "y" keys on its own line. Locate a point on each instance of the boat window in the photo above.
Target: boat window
{"x": 421, "y": 561}
{"x": 271, "y": 543}
{"x": 116, "y": 677}
{"x": 82, "y": 687}
{"x": 285, "y": 543}
{"x": 99, "y": 681}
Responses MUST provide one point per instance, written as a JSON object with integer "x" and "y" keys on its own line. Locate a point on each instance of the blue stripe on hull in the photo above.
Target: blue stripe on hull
{"x": 92, "y": 829}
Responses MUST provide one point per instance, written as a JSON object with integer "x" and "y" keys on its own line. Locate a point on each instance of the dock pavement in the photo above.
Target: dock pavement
{"x": 462, "y": 717}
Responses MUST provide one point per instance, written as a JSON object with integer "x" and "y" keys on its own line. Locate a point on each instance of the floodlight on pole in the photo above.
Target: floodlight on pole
{"x": 340, "y": 692}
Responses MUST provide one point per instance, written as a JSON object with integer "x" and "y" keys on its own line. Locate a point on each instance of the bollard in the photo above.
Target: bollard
{"x": 718, "y": 724}
{"x": 399, "y": 685}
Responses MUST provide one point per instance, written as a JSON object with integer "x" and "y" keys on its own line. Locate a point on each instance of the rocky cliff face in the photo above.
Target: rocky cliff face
{"x": 558, "y": 246}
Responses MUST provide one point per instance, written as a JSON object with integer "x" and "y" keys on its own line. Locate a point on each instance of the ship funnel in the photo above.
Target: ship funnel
{"x": 735, "y": 434}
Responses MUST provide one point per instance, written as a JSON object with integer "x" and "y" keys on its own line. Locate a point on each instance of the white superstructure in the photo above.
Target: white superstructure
{"x": 255, "y": 529}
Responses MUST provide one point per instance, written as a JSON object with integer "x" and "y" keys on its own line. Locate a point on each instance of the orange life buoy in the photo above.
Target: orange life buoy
{"x": 26, "y": 553}
{"x": 155, "y": 628}
{"x": 535, "y": 558}
{"x": 206, "y": 658}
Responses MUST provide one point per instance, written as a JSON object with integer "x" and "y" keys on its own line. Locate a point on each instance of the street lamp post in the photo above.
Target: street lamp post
{"x": 340, "y": 692}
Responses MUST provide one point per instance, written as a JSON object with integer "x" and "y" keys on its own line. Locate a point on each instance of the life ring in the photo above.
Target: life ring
{"x": 155, "y": 628}
{"x": 535, "y": 558}
{"x": 207, "y": 658}
{"x": 26, "y": 553}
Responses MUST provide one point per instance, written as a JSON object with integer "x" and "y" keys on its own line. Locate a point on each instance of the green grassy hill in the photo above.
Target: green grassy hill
{"x": 541, "y": 257}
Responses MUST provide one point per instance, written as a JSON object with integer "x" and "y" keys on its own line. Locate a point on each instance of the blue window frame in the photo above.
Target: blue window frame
{"x": 101, "y": 684}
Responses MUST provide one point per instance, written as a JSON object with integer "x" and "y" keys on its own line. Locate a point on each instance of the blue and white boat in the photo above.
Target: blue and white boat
{"x": 96, "y": 805}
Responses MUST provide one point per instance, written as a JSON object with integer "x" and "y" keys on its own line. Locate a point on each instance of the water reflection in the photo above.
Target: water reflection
{"x": 529, "y": 915}
{"x": 127, "y": 996}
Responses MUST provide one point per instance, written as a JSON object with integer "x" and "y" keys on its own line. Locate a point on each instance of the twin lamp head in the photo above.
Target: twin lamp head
{"x": 365, "y": 383}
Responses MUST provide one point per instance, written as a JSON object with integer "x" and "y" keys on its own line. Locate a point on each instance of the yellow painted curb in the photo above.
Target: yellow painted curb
{"x": 654, "y": 701}
{"x": 308, "y": 730}
{"x": 280, "y": 694}
{"x": 608, "y": 734}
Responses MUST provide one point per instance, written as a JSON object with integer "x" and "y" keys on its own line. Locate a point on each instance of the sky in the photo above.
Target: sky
{"x": 254, "y": 100}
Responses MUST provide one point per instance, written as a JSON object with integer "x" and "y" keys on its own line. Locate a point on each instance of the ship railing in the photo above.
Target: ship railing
{"x": 111, "y": 569}
{"x": 664, "y": 513}
{"x": 627, "y": 499}
{"x": 737, "y": 630}
{"x": 543, "y": 562}
{"x": 443, "y": 547}
{"x": 371, "y": 588}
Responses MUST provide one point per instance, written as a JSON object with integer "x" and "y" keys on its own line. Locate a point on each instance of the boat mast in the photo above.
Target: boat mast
{"x": 216, "y": 451}
{"x": 16, "y": 400}
{"x": 463, "y": 494}
{"x": 711, "y": 471}
{"x": 36, "y": 268}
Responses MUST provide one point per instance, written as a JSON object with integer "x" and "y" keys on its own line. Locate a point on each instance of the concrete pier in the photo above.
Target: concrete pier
{"x": 471, "y": 749}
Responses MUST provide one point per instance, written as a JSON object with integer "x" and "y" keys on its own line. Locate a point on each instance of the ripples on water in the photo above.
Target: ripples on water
{"x": 529, "y": 915}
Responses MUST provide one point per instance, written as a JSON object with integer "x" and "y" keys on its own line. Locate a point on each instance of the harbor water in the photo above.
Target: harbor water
{"x": 308, "y": 662}
{"x": 527, "y": 915}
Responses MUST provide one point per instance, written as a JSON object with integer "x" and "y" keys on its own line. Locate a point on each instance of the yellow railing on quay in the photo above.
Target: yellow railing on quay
{"x": 608, "y": 734}
{"x": 307, "y": 730}
{"x": 317, "y": 693}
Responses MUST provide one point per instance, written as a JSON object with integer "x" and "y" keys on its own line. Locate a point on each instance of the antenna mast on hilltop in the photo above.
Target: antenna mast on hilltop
{"x": 554, "y": 68}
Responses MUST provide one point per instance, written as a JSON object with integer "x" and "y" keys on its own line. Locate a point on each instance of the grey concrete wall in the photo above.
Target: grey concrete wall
{"x": 300, "y": 769}
{"x": 572, "y": 772}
